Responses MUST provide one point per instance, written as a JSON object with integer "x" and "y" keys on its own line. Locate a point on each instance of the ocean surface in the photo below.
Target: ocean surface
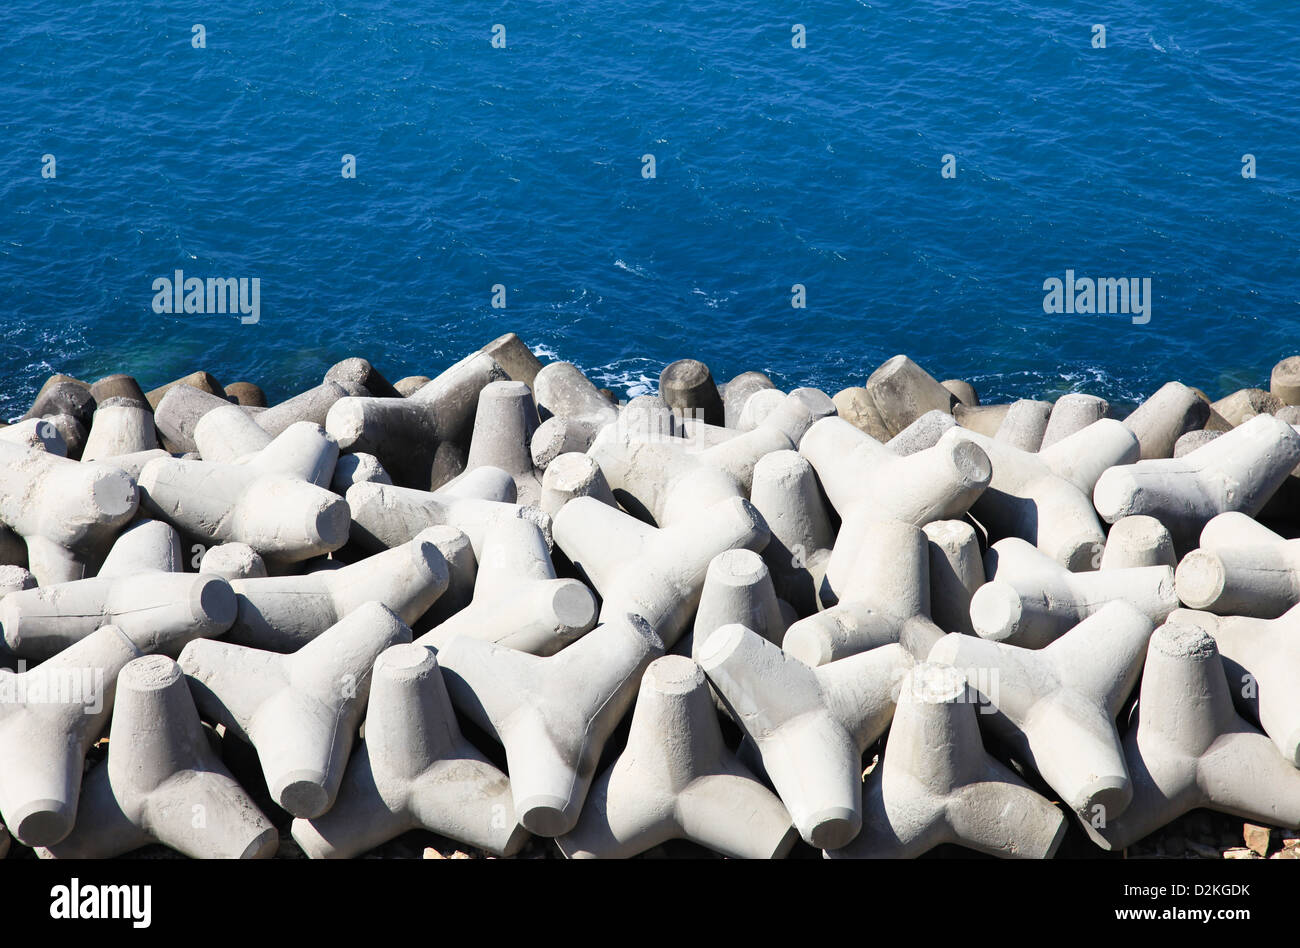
{"x": 774, "y": 165}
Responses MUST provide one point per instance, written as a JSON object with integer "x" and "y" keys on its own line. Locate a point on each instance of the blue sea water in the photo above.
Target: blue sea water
{"x": 522, "y": 166}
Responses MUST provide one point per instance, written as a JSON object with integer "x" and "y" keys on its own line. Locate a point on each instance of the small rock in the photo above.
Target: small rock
{"x": 1239, "y": 852}
{"x": 460, "y": 855}
{"x": 1205, "y": 852}
{"x": 1256, "y": 837}
{"x": 431, "y": 853}
{"x": 1293, "y": 853}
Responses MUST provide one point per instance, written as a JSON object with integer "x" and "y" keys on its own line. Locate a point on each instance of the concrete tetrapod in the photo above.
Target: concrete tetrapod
{"x": 1242, "y": 568}
{"x": 404, "y": 433}
{"x": 1056, "y": 707}
{"x": 936, "y": 784}
{"x": 1167, "y": 415}
{"x": 737, "y": 591}
{"x": 283, "y": 613}
{"x": 1046, "y": 498}
{"x": 285, "y": 519}
{"x": 64, "y": 510}
{"x": 1189, "y": 748}
{"x": 227, "y": 433}
{"x": 573, "y": 410}
{"x": 1261, "y": 658}
{"x": 902, "y": 391}
{"x": 1031, "y": 600}
{"x": 688, "y": 388}
{"x": 1236, "y": 472}
{"x": 503, "y": 429}
{"x": 1138, "y": 541}
{"x": 162, "y": 782}
{"x": 554, "y": 714}
{"x": 876, "y": 586}
{"x": 810, "y": 725}
{"x": 140, "y": 588}
{"x": 1025, "y": 424}
{"x": 300, "y": 711}
{"x": 518, "y": 601}
{"x": 676, "y": 779}
{"x": 573, "y": 475}
{"x": 956, "y": 573}
{"x": 669, "y": 480}
{"x": 49, "y": 718}
{"x": 1073, "y": 413}
{"x": 863, "y": 479}
{"x": 385, "y": 516}
{"x": 655, "y": 572}
{"x": 413, "y": 769}
{"x": 785, "y": 492}
{"x": 123, "y": 421}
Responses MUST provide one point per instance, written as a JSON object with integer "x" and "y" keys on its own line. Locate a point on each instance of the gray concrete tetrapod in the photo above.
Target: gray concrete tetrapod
{"x": 514, "y": 356}
{"x": 1261, "y": 658}
{"x": 232, "y": 561}
{"x": 1046, "y": 498}
{"x": 923, "y": 433}
{"x": 503, "y": 430}
{"x": 864, "y": 479}
{"x": 809, "y": 725}
{"x": 1056, "y": 707}
{"x": 936, "y": 784}
{"x": 1031, "y": 600}
{"x": 676, "y": 779}
{"x": 140, "y": 588}
{"x": 573, "y": 475}
{"x": 1237, "y": 472}
{"x": 573, "y": 410}
{"x": 404, "y": 433}
{"x": 282, "y": 517}
{"x": 1244, "y": 404}
{"x": 284, "y": 613}
{"x": 964, "y": 391}
{"x": 413, "y": 769}
{"x": 1025, "y": 424}
{"x": 688, "y": 388}
{"x": 855, "y": 406}
{"x": 653, "y": 572}
{"x": 737, "y": 591}
{"x": 737, "y": 391}
{"x": 300, "y": 711}
{"x": 203, "y": 381}
{"x": 785, "y": 492}
{"x": 64, "y": 510}
{"x": 669, "y": 480}
{"x": 554, "y": 714}
{"x": 179, "y": 412}
{"x": 518, "y": 601}
{"x": 356, "y": 469}
{"x": 1073, "y": 413}
{"x": 37, "y": 433}
{"x": 227, "y": 433}
{"x": 1163, "y": 418}
{"x": 384, "y": 515}
{"x": 1241, "y": 568}
{"x": 358, "y": 371}
{"x": 163, "y": 782}
{"x": 876, "y": 585}
{"x": 312, "y": 406}
{"x": 1189, "y": 748}
{"x": 1138, "y": 541}
{"x": 956, "y": 573}
{"x": 902, "y": 391}
{"x": 49, "y": 718}
{"x": 121, "y": 425}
